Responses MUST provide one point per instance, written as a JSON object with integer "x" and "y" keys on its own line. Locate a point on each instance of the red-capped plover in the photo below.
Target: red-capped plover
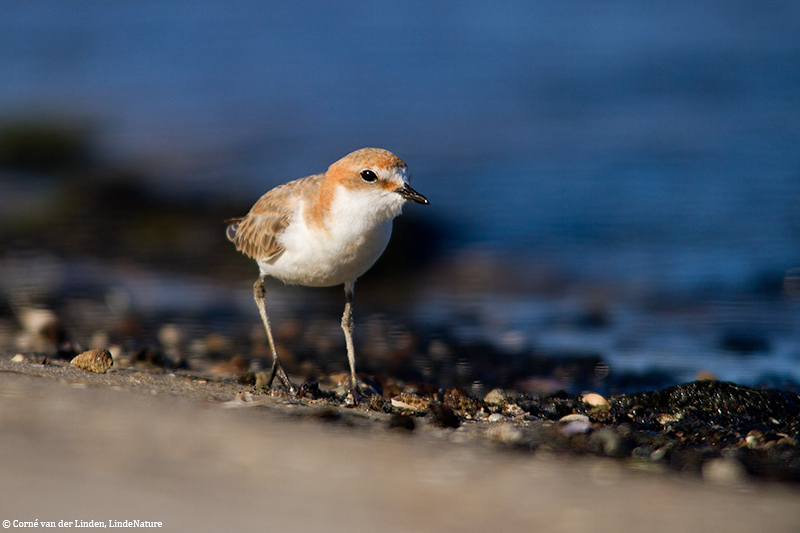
{"x": 325, "y": 230}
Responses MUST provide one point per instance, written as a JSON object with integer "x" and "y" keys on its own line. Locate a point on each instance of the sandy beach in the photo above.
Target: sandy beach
{"x": 168, "y": 448}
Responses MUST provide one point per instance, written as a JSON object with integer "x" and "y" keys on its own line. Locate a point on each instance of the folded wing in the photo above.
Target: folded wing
{"x": 257, "y": 234}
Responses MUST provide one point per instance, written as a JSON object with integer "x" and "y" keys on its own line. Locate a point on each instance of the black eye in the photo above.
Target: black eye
{"x": 368, "y": 176}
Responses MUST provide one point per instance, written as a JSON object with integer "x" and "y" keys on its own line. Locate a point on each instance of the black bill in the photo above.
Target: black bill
{"x": 410, "y": 194}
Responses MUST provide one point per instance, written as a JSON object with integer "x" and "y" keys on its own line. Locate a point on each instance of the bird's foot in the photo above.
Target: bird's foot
{"x": 356, "y": 390}
{"x": 283, "y": 380}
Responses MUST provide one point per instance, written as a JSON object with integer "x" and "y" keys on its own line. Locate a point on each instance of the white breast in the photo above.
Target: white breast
{"x": 357, "y": 229}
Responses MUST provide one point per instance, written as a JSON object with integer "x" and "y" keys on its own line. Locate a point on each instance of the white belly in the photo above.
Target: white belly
{"x": 316, "y": 258}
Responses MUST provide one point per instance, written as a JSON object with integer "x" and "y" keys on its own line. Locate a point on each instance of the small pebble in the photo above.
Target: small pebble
{"x": 576, "y": 427}
{"x": 409, "y": 401}
{"x": 171, "y": 336}
{"x": 608, "y": 442}
{"x": 513, "y": 410}
{"x": 754, "y": 439}
{"x": 42, "y": 330}
{"x": 116, "y": 352}
{"x": 505, "y": 433}
{"x": 574, "y": 418}
{"x": 496, "y": 397}
{"x": 724, "y": 471}
{"x": 38, "y": 320}
{"x": 595, "y": 400}
{"x": 97, "y": 361}
{"x": 19, "y": 358}
{"x": 496, "y": 417}
{"x": 669, "y": 418}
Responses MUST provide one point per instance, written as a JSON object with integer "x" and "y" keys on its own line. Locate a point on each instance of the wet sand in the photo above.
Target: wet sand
{"x": 169, "y": 448}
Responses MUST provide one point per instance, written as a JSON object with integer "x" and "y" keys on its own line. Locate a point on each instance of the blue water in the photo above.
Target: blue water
{"x": 646, "y": 139}
{"x": 653, "y": 145}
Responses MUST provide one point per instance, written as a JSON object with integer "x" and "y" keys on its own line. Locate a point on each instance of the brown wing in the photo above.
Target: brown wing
{"x": 256, "y": 234}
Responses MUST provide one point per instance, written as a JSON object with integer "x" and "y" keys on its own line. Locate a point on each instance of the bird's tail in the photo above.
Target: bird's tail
{"x": 233, "y": 226}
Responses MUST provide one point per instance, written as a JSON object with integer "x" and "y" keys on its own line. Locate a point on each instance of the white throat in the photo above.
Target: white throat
{"x": 358, "y": 212}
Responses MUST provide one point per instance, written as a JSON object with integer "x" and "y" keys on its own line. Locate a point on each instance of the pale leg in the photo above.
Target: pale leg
{"x": 347, "y": 327}
{"x": 277, "y": 369}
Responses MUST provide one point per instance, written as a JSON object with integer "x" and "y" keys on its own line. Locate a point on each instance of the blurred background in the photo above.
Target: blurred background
{"x": 614, "y": 188}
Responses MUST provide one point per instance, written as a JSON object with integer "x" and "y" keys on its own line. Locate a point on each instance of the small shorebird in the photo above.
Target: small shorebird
{"x": 325, "y": 230}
